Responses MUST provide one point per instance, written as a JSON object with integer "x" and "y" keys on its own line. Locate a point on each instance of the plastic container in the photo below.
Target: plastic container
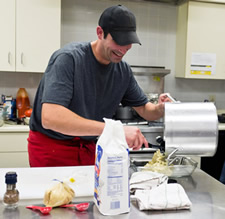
{"x": 22, "y": 103}
{"x": 10, "y": 103}
{"x": 1, "y": 116}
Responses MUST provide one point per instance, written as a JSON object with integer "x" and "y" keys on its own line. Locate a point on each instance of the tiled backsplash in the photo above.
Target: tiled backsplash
{"x": 156, "y": 27}
{"x": 10, "y": 82}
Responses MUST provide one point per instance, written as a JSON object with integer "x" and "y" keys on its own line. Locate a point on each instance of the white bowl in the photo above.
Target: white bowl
{"x": 27, "y": 120}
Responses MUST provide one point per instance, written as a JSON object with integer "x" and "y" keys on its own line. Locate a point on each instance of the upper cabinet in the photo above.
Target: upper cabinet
{"x": 30, "y": 33}
{"x": 200, "y": 47}
{"x": 7, "y": 36}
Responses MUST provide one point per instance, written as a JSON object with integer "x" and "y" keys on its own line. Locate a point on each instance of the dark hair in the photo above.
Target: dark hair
{"x": 106, "y": 32}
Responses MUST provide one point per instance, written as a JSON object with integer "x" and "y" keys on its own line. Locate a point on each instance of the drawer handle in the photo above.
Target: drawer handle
{"x": 22, "y": 58}
{"x": 9, "y": 57}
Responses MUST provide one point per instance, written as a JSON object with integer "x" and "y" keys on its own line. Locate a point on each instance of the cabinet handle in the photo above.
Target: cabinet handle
{"x": 22, "y": 58}
{"x": 9, "y": 57}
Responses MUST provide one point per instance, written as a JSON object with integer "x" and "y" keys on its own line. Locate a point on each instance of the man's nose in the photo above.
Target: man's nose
{"x": 124, "y": 49}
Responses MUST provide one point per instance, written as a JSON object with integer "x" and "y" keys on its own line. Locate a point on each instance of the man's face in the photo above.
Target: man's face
{"x": 112, "y": 52}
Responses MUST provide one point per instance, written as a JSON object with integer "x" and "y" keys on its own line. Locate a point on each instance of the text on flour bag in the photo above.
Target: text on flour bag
{"x": 111, "y": 192}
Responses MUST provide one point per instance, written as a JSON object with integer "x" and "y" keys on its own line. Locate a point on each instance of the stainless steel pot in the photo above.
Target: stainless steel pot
{"x": 124, "y": 112}
{"x": 191, "y": 127}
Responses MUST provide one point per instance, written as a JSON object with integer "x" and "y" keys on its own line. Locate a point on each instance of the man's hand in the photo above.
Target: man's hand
{"x": 160, "y": 106}
{"x": 135, "y": 139}
{"x": 164, "y": 98}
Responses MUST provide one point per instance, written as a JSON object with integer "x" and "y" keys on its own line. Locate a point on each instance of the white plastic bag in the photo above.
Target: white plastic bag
{"x": 111, "y": 194}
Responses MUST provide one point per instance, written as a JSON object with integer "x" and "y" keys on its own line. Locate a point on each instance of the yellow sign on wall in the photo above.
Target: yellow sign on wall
{"x": 203, "y": 64}
{"x": 197, "y": 72}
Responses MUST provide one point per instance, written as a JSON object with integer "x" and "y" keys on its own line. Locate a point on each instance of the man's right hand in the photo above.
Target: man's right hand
{"x": 135, "y": 139}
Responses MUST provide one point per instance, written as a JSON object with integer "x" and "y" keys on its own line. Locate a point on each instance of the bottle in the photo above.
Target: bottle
{"x": 22, "y": 103}
{"x": 11, "y": 196}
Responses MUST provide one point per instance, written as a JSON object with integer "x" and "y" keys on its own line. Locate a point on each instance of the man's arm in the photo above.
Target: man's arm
{"x": 151, "y": 111}
{"x": 60, "y": 119}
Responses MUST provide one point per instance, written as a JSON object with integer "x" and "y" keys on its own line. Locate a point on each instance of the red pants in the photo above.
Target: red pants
{"x": 47, "y": 152}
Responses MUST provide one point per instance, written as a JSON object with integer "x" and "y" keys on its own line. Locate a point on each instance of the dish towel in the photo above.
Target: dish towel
{"x": 163, "y": 197}
{"x": 146, "y": 180}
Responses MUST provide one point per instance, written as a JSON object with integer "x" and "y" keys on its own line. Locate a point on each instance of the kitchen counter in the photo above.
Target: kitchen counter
{"x": 14, "y": 128}
{"x": 206, "y": 194}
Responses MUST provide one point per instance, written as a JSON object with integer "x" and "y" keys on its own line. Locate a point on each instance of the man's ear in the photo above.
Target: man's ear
{"x": 100, "y": 33}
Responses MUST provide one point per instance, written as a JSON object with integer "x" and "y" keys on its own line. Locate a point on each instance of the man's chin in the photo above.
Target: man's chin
{"x": 116, "y": 60}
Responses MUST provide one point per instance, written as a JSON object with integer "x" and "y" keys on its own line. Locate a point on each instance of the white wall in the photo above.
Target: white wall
{"x": 156, "y": 27}
{"x": 10, "y": 82}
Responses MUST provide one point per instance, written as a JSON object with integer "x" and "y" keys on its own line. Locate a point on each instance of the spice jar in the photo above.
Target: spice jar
{"x": 11, "y": 196}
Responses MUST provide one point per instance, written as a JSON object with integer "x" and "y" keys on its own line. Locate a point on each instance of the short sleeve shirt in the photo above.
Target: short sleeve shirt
{"x": 77, "y": 81}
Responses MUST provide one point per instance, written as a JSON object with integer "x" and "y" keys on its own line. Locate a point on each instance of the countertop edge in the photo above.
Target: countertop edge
{"x": 25, "y": 128}
{"x": 14, "y": 128}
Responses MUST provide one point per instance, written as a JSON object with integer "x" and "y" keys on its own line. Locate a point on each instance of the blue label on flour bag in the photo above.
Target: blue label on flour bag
{"x": 97, "y": 172}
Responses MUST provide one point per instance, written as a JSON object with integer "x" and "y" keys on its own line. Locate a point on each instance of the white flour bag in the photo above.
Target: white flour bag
{"x": 111, "y": 193}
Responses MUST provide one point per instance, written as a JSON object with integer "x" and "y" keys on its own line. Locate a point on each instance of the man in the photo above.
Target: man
{"x": 83, "y": 83}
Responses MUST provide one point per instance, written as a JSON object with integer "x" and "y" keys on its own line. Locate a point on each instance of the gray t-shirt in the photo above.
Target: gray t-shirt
{"x": 77, "y": 81}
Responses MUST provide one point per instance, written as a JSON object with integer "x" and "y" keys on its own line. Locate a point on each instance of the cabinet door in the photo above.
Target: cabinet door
{"x": 37, "y": 33}
{"x": 13, "y": 149}
{"x": 200, "y": 31}
{"x": 206, "y": 34}
{"x": 7, "y": 35}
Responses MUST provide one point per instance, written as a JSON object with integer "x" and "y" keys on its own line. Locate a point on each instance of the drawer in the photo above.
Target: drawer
{"x": 12, "y": 142}
{"x": 14, "y": 159}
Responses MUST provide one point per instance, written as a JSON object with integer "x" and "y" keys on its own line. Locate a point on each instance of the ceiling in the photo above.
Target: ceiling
{"x": 171, "y": 2}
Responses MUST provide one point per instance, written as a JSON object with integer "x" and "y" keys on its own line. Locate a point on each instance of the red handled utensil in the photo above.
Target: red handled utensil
{"x": 43, "y": 210}
{"x": 79, "y": 207}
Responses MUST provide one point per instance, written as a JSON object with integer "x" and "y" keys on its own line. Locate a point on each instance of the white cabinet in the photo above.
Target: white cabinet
{"x": 13, "y": 146}
{"x": 7, "y": 35}
{"x": 30, "y": 33}
{"x": 200, "y": 39}
{"x": 13, "y": 149}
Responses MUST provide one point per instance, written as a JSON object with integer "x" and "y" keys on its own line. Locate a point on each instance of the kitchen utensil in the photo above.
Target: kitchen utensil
{"x": 79, "y": 207}
{"x": 124, "y": 113}
{"x": 176, "y": 160}
{"x": 191, "y": 127}
{"x": 160, "y": 144}
{"x": 171, "y": 98}
{"x": 172, "y": 153}
{"x": 153, "y": 146}
{"x": 43, "y": 210}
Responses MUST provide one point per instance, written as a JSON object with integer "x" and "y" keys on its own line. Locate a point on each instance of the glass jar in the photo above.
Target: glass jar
{"x": 11, "y": 196}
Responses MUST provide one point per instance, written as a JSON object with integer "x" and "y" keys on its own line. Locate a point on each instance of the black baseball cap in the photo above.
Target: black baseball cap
{"x": 120, "y": 22}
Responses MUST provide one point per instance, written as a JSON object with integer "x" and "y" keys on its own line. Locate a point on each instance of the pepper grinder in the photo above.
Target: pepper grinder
{"x": 11, "y": 196}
